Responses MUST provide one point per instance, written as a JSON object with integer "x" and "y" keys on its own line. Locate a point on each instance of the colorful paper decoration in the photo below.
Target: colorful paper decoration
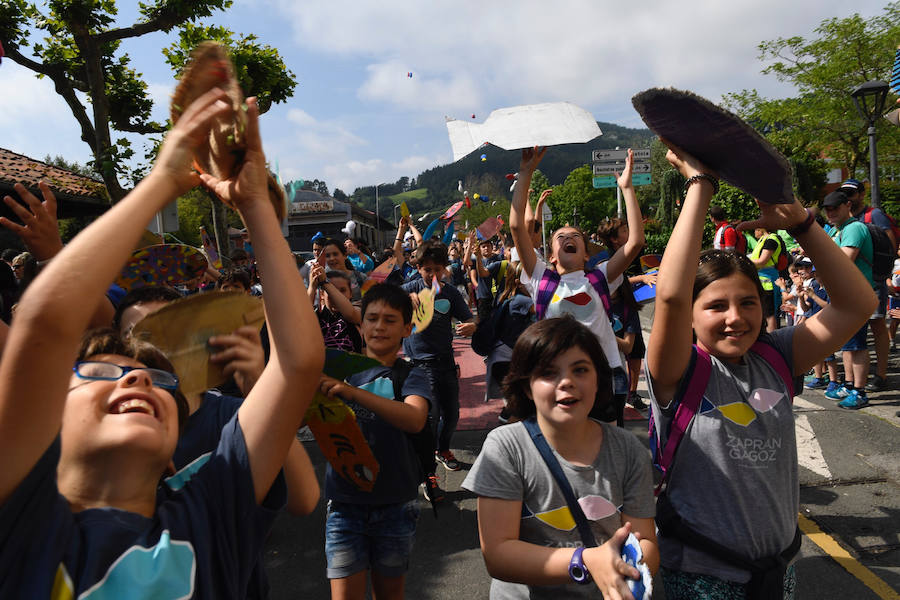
{"x": 424, "y": 312}
{"x": 163, "y": 264}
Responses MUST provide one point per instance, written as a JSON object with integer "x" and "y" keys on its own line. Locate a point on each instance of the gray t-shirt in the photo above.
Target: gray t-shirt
{"x": 619, "y": 481}
{"x": 734, "y": 477}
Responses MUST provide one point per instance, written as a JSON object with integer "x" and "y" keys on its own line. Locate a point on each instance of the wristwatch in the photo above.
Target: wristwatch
{"x": 577, "y": 571}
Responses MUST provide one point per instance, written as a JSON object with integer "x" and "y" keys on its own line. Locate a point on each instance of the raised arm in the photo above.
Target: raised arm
{"x": 851, "y": 299}
{"x": 625, "y": 255}
{"x": 55, "y": 310}
{"x": 397, "y": 248}
{"x": 531, "y": 158}
{"x": 416, "y": 234}
{"x": 669, "y": 348}
{"x": 274, "y": 408}
{"x": 408, "y": 416}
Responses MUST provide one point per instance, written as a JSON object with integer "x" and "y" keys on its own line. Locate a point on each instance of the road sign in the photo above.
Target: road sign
{"x": 640, "y": 179}
{"x": 605, "y": 181}
{"x": 546, "y": 214}
{"x": 609, "y": 181}
{"x": 607, "y": 155}
{"x": 605, "y": 168}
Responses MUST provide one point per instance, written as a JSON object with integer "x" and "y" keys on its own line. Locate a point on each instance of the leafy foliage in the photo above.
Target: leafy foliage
{"x": 821, "y": 118}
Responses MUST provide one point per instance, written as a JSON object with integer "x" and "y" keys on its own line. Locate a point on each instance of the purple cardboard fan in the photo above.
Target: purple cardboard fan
{"x": 719, "y": 139}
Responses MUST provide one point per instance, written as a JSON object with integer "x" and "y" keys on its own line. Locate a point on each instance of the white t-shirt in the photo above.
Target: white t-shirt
{"x": 577, "y": 297}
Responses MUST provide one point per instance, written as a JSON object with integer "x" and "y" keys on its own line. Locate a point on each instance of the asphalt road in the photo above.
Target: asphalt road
{"x": 849, "y": 506}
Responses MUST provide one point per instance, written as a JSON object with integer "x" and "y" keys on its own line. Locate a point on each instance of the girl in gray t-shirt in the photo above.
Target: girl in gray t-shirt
{"x": 528, "y": 535}
{"x": 734, "y": 476}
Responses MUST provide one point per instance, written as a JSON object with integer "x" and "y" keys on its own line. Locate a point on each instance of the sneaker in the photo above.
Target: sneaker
{"x": 815, "y": 383}
{"x": 844, "y": 391}
{"x": 854, "y": 400}
{"x": 431, "y": 489}
{"x": 836, "y": 392}
{"x": 877, "y": 384}
{"x": 446, "y": 458}
{"x": 635, "y": 400}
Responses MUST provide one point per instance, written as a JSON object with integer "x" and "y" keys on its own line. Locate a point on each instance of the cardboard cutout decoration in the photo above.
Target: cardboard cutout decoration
{"x": 644, "y": 292}
{"x": 404, "y": 210}
{"x": 424, "y": 313}
{"x": 181, "y": 329}
{"x": 163, "y": 264}
{"x": 448, "y": 235}
{"x": 378, "y": 275}
{"x": 720, "y": 140}
{"x": 488, "y": 229}
{"x": 650, "y": 262}
{"x": 450, "y": 212}
{"x": 334, "y": 426}
{"x": 212, "y": 255}
{"x": 547, "y": 124}
{"x": 431, "y": 229}
{"x": 223, "y": 154}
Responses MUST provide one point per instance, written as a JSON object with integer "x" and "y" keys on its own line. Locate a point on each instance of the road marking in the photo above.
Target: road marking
{"x": 806, "y": 404}
{"x": 843, "y": 558}
{"x": 809, "y": 452}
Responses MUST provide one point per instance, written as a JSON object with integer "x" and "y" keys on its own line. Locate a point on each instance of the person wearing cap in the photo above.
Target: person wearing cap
{"x": 854, "y": 239}
{"x": 856, "y": 192}
{"x": 318, "y": 241}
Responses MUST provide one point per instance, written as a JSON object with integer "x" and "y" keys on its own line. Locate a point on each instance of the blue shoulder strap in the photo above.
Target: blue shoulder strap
{"x": 584, "y": 529}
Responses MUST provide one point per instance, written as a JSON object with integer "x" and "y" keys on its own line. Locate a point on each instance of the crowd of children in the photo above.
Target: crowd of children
{"x": 120, "y": 484}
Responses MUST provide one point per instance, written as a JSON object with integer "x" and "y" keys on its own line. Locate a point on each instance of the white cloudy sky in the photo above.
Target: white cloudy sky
{"x": 357, "y": 119}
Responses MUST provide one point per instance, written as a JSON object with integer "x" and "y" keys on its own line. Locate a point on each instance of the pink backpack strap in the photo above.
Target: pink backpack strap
{"x": 600, "y": 285}
{"x": 775, "y": 358}
{"x": 546, "y": 288}
{"x": 688, "y": 405}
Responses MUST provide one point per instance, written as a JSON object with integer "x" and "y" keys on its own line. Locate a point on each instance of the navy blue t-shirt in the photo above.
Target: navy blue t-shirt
{"x": 203, "y": 542}
{"x": 819, "y": 290}
{"x": 486, "y": 284}
{"x": 398, "y": 477}
{"x": 436, "y": 340}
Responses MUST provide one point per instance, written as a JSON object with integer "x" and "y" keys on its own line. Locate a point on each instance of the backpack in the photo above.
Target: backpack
{"x": 883, "y": 251}
{"x": 423, "y": 442}
{"x": 867, "y": 218}
{"x": 550, "y": 281}
{"x": 740, "y": 246}
{"x": 697, "y": 377}
{"x": 781, "y": 256}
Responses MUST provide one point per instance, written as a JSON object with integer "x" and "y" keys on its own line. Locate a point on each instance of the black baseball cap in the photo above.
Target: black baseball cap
{"x": 835, "y": 199}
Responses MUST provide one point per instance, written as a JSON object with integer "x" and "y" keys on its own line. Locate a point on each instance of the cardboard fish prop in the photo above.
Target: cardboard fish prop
{"x": 334, "y": 425}
{"x": 163, "y": 264}
{"x": 378, "y": 275}
{"x": 488, "y": 229}
{"x": 404, "y": 210}
{"x": 222, "y": 155}
{"x": 450, "y": 212}
{"x": 720, "y": 140}
{"x": 212, "y": 255}
{"x": 181, "y": 329}
{"x": 650, "y": 262}
{"x": 424, "y": 313}
{"x": 448, "y": 235}
{"x": 431, "y": 229}
{"x": 547, "y": 124}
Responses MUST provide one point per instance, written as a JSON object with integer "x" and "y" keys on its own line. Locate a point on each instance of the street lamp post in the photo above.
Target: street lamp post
{"x": 377, "y": 224}
{"x": 869, "y": 100}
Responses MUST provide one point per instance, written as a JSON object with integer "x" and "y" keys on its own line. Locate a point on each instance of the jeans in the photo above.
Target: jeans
{"x": 445, "y": 401}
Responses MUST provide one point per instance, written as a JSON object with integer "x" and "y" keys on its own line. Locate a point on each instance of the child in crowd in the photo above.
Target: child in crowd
{"x": 374, "y": 531}
{"x": 432, "y": 348}
{"x": 335, "y": 258}
{"x": 85, "y": 449}
{"x": 563, "y": 286}
{"x": 557, "y": 375}
{"x": 236, "y": 279}
{"x": 745, "y": 501}
{"x": 813, "y": 298}
{"x": 338, "y": 317}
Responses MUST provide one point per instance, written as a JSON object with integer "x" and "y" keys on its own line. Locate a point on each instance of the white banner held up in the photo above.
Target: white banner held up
{"x": 547, "y": 124}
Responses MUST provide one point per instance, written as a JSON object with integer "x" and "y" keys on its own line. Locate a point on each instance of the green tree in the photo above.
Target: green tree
{"x": 81, "y": 53}
{"x": 821, "y": 118}
{"x": 577, "y": 202}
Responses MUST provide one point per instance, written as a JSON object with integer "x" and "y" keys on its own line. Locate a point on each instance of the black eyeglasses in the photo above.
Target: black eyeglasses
{"x": 104, "y": 371}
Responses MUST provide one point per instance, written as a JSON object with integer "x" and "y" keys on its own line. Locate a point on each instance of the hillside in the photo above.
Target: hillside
{"x": 438, "y": 187}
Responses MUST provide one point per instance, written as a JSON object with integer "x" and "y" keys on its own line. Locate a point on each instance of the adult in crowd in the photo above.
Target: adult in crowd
{"x": 361, "y": 261}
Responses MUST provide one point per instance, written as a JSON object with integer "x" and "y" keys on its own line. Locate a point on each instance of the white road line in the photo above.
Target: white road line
{"x": 809, "y": 452}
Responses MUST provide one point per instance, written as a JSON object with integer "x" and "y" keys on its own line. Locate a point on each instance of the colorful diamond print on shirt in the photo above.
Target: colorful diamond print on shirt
{"x": 763, "y": 400}
{"x": 706, "y": 405}
{"x": 62, "y": 585}
{"x": 580, "y": 299}
{"x": 739, "y": 413}
{"x": 560, "y": 518}
{"x": 597, "y": 507}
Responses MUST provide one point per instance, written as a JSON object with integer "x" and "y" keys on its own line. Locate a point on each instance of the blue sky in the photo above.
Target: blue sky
{"x": 357, "y": 119}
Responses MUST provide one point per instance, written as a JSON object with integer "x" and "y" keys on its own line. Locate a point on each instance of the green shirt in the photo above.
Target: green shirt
{"x": 853, "y": 234}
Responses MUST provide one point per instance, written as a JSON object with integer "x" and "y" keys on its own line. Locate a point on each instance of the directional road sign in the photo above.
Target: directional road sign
{"x": 607, "y": 155}
{"x": 609, "y": 181}
{"x": 605, "y": 168}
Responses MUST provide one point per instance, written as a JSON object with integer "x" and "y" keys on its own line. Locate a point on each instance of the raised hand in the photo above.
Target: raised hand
{"x": 684, "y": 163}
{"x": 40, "y": 229}
{"x": 531, "y": 158}
{"x": 624, "y": 180}
{"x": 242, "y": 354}
{"x": 607, "y": 567}
{"x": 773, "y": 217}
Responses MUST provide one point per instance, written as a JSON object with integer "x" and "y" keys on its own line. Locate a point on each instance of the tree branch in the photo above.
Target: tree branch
{"x": 142, "y": 128}
{"x": 136, "y": 30}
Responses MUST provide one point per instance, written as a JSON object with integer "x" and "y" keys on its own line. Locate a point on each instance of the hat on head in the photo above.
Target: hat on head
{"x": 835, "y": 199}
{"x": 803, "y": 261}
{"x": 853, "y": 186}
{"x": 317, "y": 237}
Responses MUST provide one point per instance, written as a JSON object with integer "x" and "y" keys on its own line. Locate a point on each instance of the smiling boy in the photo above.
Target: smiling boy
{"x": 373, "y": 531}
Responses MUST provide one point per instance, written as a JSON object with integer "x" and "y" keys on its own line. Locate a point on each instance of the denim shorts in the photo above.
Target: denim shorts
{"x": 858, "y": 341}
{"x": 359, "y": 537}
{"x": 881, "y": 309}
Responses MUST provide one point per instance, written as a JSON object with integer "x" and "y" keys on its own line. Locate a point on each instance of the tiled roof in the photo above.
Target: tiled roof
{"x": 16, "y": 168}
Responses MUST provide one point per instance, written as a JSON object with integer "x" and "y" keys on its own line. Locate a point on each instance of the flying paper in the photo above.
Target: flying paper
{"x": 404, "y": 210}
{"x": 547, "y": 124}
